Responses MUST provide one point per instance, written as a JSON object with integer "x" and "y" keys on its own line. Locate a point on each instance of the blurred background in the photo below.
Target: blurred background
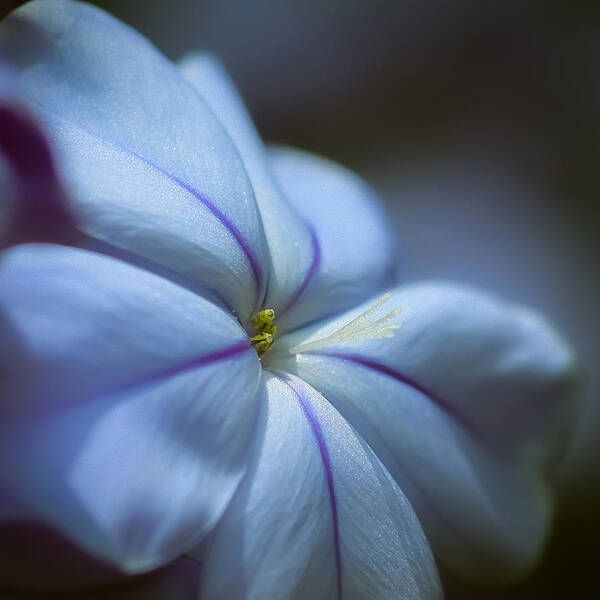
{"x": 478, "y": 123}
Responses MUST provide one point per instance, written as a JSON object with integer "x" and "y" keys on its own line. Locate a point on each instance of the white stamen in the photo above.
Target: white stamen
{"x": 360, "y": 328}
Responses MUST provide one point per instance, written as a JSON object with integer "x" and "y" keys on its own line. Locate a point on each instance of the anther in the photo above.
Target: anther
{"x": 264, "y": 330}
{"x": 358, "y": 329}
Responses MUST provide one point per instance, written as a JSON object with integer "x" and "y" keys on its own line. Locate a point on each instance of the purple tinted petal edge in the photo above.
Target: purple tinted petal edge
{"x": 315, "y": 425}
{"x": 190, "y": 365}
{"x": 40, "y": 212}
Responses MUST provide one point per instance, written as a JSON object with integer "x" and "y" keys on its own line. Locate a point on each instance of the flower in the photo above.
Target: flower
{"x": 139, "y": 420}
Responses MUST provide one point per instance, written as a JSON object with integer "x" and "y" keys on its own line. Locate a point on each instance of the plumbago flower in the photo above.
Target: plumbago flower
{"x": 213, "y": 367}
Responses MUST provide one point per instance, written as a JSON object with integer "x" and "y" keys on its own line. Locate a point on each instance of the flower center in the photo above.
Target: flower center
{"x": 264, "y": 330}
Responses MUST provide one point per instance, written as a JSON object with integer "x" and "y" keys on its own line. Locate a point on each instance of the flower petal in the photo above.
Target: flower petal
{"x": 317, "y": 516}
{"x": 357, "y": 248}
{"x": 149, "y": 166}
{"x": 465, "y": 406}
{"x": 127, "y": 403}
{"x": 307, "y": 205}
{"x": 293, "y": 247}
{"x": 34, "y": 205}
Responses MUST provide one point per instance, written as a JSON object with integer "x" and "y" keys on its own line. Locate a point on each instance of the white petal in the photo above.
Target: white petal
{"x": 128, "y": 403}
{"x": 318, "y": 516}
{"x": 321, "y": 261}
{"x": 465, "y": 405}
{"x": 293, "y": 246}
{"x": 150, "y": 167}
{"x": 356, "y": 246}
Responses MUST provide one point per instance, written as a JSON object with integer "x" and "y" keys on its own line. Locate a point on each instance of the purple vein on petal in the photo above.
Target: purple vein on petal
{"x": 383, "y": 369}
{"x": 143, "y": 381}
{"x": 313, "y": 421}
{"x": 184, "y": 367}
{"x": 373, "y": 365}
{"x": 308, "y": 276}
{"x": 218, "y": 213}
{"x": 215, "y": 210}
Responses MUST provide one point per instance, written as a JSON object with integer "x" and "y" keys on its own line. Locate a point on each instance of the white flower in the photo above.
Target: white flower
{"x": 137, "y": 417}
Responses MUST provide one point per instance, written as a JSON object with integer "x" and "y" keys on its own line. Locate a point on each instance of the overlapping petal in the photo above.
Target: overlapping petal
{"x": 127, "y": 403}
{"x": 357, "y": 249}
{"x": 33, "y": 206}
{"x": 465, "y": 406}
{"x": 317, "y": 516}
{"x": 293, "y": 246}
{"x": 150, "y": 167}
{"x": 308, "y": 206}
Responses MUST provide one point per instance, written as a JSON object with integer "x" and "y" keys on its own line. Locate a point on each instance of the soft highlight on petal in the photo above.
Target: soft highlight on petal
{"x": 278, "y": 538}
{"x": 466, "y": 406}
{"x": 136, "y": 403}
{"x": 149, "y": 166}
{"x": 356, "y": 248}
{"x": 292, "y": 245}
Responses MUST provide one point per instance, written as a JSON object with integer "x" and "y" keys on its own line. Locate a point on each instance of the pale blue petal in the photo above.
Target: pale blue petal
{"x": 150, "y": 167}
{"x": 465, "y": 405}
{"x": 128, "y": 403}
{"x": 317, "y": 516}
{"x": 322, "y": 260}
{"x": 293, "y": 246}
{"x": 356, "y": 246}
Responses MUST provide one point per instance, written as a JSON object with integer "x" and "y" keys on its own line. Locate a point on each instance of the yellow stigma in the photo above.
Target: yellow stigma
{"x": 264, "y": 330}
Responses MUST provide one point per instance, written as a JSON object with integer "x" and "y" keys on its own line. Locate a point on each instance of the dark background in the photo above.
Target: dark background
{"x": 479, "y": 125}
